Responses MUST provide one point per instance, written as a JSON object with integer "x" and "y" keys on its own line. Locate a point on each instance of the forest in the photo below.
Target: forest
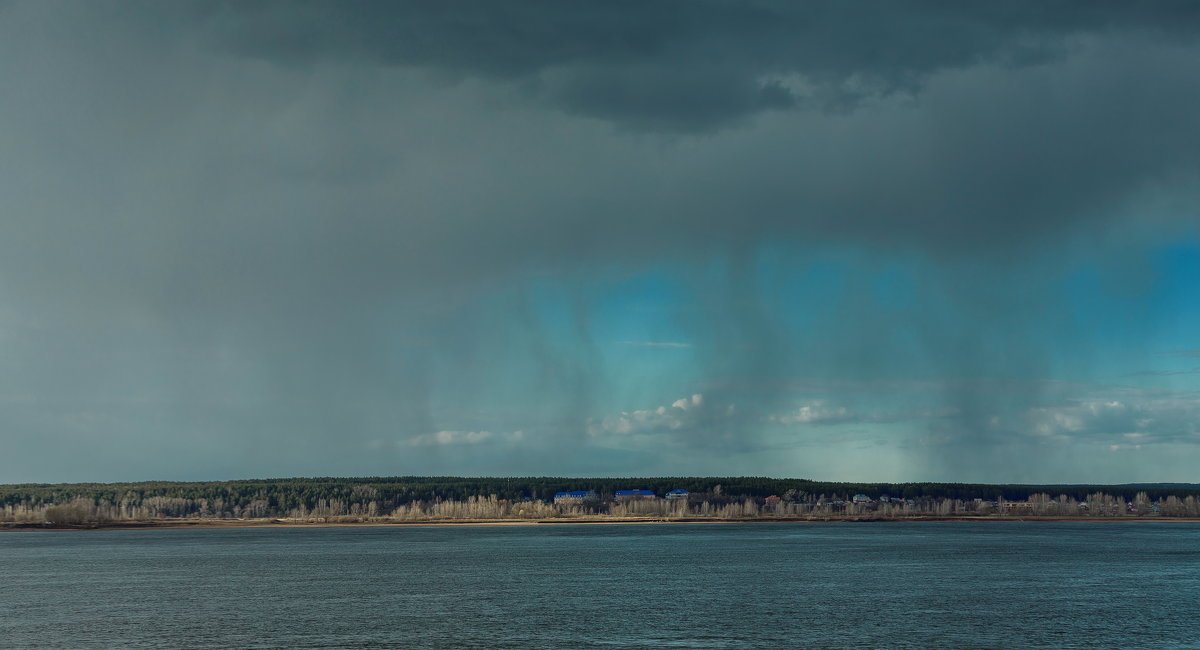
{"x": 407, "y": 498}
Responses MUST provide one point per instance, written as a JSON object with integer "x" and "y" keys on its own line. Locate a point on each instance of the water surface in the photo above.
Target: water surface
{"x": 922, "y": 585}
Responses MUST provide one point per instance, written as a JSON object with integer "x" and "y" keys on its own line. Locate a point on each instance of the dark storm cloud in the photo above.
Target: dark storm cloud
{"x": 990, "y": 125}
{"x": 358, "y": 177}
{"x": 688, "y": 66}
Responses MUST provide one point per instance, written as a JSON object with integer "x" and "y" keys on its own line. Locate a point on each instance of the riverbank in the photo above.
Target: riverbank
{"x": 195, "y": 523}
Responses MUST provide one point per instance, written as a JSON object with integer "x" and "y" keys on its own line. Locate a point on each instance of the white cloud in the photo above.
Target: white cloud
{"x": 683, "y": 414}
{"x": 458, "y": 438}
{"x": 1119, "y": 422}
{"x": 816, "y": 412}
{"x": 687, "y": 403}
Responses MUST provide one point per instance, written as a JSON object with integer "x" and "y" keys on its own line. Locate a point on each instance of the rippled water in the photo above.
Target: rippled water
{"x": 566, "y": 586}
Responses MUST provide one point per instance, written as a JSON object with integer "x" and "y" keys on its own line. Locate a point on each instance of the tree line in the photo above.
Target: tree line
{"x": 415, "y": 497}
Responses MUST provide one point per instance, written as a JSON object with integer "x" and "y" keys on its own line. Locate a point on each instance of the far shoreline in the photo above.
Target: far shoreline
{"x": 219, "y": 524}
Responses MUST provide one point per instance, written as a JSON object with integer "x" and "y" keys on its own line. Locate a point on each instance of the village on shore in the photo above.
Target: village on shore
{"x": 681, "y": 501}
{"x": 388, "y": 500}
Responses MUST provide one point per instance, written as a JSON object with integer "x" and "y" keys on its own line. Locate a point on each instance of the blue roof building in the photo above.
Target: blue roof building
{"x": 628, "y": 495}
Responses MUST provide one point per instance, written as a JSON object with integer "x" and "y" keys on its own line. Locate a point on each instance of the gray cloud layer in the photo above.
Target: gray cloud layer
{"x": 298, "y": 218}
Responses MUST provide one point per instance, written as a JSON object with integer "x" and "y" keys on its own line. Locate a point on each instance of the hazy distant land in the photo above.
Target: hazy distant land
{"x": 455, "y": 500}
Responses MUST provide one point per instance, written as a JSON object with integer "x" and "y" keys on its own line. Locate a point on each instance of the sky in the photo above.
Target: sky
{"x": 868, "y": 241}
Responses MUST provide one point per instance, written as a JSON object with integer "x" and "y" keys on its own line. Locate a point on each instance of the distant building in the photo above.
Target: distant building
{"x": 678, "y": 493}
{"x": 621, "y": 496}
{"x": 862, "y": 498}
{"x": 577, "y": 497}
{"x": 773, "y": 500}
